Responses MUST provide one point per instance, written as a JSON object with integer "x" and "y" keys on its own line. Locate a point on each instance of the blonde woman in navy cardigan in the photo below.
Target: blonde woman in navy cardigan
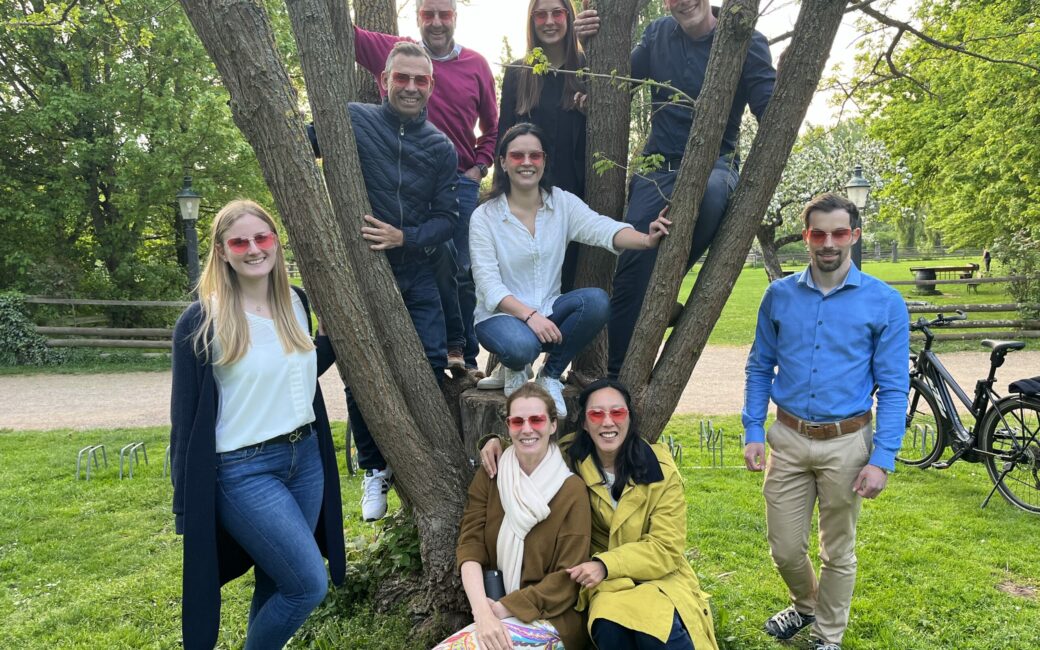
{"x": 254, "y": 468}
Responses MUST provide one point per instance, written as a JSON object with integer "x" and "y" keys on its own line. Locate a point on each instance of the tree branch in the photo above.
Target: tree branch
{"x": 54, "y": 23}
{"x": 788, "y": 34}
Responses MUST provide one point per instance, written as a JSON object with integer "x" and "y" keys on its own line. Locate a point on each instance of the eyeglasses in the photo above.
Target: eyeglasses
{"x": 401, "y": 80}
{"x": 516, "y": 422}
{"x": 558, "y": 15}
{"x": 446, "y": 15}
{"x": 265, "y": 241}
{"x": 840, "y": 237}
{"x": 617, "y": 414}
{"x": 536, "y": 157}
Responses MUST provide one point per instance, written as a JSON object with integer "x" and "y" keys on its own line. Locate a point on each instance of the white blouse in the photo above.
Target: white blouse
{"x": 267, "y": 392}
{"x": 508, "y": 260}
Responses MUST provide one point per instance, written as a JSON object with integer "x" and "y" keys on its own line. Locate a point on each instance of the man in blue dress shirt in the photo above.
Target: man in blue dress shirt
{"x": 825, "y": 339}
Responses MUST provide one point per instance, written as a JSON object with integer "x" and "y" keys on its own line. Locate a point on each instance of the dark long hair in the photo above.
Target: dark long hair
{"x": 529, "y": 88}
{"x": 500, "y": 184}
{"x": 629, "y": 462}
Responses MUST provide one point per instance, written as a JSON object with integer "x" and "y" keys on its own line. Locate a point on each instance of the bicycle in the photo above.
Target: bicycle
{"x": 1005, "y": 435}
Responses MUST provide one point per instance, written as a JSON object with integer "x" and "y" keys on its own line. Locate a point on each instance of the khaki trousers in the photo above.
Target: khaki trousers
{"x": 801, "y": 472}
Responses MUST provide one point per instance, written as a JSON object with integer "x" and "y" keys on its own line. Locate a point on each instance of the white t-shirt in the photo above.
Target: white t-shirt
{"x": 267, "y": 392}
{"x": 508, "y": 260}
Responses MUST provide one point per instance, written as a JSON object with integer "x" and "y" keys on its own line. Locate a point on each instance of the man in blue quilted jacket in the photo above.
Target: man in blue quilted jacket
{"x": 410, "y": 174}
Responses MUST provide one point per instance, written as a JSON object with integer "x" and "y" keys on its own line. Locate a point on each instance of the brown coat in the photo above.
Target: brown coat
{"x": 553, "y": 545}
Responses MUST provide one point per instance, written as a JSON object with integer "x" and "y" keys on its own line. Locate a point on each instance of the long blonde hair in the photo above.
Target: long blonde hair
{"x": 223, "y": 315}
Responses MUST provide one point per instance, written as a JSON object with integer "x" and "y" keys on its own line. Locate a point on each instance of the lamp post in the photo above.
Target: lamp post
{"x": 857, "y": 189}
{"x": 188, "y": 200}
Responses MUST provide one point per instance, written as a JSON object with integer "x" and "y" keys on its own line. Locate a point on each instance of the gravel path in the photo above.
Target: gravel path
{"x": 143, "y": 398}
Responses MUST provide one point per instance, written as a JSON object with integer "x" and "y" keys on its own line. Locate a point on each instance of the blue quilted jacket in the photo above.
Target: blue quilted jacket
{"x": 410, "y": 173}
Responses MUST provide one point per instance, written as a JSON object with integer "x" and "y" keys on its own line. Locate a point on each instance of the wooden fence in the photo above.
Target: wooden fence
{"x": 972, "y": 329}
{"x": 151, "y": 338}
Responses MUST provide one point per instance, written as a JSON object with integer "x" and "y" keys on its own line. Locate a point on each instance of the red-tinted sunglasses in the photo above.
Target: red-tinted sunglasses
{"x": 516, "y": 422}
{"x": 617, "y": 414}
{"x": 264, "y": 241}
{"x": 536, "y": 157}
{"x": 558, "y": 15}
{"x": 401, "y": 80}
{"x": 840, "y": 237}
{"x": 446, "y": 15}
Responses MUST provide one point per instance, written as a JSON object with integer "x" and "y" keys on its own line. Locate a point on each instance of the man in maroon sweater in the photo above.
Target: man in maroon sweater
{"x": 463, "y": 97}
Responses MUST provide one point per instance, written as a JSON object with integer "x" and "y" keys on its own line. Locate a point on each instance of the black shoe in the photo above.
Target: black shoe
{"x": 786, "y": 623}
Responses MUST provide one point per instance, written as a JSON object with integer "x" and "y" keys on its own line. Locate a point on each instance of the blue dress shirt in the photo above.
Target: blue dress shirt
{"x": 666, "y": 54}
{"x": 830, "y": 351}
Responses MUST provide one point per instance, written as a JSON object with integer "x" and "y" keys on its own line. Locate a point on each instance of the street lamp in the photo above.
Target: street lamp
{"x": 189, "y": 200}
{"x": 857, "y": 189}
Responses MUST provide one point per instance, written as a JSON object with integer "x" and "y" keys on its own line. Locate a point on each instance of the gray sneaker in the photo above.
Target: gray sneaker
{"x": 820, "y": 644}
{"x": 786, "y": 623}
{"x": 496, "y": 380}
{"x": 513, "y": 380}
{"x": 555, "y": 388}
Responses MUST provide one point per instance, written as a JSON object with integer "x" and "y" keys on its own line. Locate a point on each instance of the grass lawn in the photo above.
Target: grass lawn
{"x": 97, "y": 565}
{"x": 736, "y": 325}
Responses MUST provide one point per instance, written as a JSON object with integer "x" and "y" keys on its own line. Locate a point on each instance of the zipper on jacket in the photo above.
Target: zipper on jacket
{"x": 400, "y": 179}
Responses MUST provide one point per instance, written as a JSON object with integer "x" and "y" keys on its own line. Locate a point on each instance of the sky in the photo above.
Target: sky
{"x": 483, "y": 24}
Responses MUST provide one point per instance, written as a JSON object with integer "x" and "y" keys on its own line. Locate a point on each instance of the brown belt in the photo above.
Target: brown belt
{"x": 823, "y": 430}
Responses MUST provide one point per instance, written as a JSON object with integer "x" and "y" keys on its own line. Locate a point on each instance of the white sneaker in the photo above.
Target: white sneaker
{"x": 555, "y": 388}
{"x": 514, "y": 379}
{"x": 494, "y": 381}
{"x": 374, "y": 487}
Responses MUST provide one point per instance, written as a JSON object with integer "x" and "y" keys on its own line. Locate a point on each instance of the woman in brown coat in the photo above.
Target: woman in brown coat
{"x": 531, "y": 522}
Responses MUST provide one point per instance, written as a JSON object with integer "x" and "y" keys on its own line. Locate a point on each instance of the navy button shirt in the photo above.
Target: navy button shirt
{"x": 829, "y": 352}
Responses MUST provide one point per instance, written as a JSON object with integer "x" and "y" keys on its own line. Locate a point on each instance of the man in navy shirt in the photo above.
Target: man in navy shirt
{"x": 674, "y": 50}
{"x": 825, "y": 339}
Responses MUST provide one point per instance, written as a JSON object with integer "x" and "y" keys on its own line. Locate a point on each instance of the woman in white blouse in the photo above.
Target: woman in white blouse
{"x": 518, "y": 237}
{"x": 254, "y": 468}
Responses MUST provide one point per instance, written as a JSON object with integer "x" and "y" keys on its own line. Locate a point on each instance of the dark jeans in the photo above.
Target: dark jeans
{"x": 454, "y": 278}
{"x": 647, "y": 198}
{"x": 268, "y": 499}
{"x": 608, "y": 635}
{"x": 423, "y": 301}
{"x": 580, "y": 315}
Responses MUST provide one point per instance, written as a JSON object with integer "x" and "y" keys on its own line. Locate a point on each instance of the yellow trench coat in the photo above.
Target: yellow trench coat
{"x": 642, "y": 544}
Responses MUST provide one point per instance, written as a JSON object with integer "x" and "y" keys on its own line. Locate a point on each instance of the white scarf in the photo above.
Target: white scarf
{"x": 525, "y": 500}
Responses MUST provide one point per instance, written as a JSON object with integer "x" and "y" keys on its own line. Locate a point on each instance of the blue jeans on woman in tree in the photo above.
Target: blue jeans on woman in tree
{"x": 268, "y": 499}
{"x": 608, "y": 634}
{"x": 580, "y": 315}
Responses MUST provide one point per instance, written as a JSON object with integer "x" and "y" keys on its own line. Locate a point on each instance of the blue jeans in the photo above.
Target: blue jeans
{"x": 608, "y": 635}
{"x": 268, "y": 499}
{"x": 454, "y": 278}
{"x": 423, "y": 301}
{"x": 647, "y": 198}
{"x": 580, "y": 315}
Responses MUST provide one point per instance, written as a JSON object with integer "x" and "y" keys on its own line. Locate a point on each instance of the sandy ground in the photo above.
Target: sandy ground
{"x": 143, "y": 398}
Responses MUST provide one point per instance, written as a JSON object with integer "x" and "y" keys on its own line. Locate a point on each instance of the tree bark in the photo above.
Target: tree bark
{"x": 729, "y": 49}
{"x": 609, "y": 119}
{"x": 352, "y": 287}
{"x": 799, "y": 72}
{"x": 375, "y": 16}
{"x": 771, "y": 249}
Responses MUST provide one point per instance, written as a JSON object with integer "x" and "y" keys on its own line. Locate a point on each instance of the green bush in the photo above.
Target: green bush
{"x": 20, "y": 345}
{"x": 1020, "y": 256}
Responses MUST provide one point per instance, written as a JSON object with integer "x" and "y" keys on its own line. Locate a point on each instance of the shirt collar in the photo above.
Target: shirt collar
{"x": 454, "y": 54}
{"x": 503, "y": 204}
{"x": 852, "y": 279}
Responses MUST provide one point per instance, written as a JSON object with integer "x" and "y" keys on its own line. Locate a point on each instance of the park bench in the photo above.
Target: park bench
{"x": 925, "y": 277}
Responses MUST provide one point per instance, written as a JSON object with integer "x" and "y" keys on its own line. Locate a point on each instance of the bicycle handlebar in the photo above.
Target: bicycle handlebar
{"x": 939, "y": 321}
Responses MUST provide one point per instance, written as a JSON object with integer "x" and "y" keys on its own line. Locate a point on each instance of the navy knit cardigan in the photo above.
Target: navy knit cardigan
{"x": 211, "y": 556}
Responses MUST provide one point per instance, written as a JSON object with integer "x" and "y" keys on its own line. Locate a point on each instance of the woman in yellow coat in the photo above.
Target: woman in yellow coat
{"x": 639, "y": 589}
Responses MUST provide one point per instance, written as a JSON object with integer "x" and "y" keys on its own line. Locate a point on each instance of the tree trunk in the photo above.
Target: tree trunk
{"x": 729, "y": 49}
{"x": 799, "y": 72}
{"x": 609, "y": 119}
{"x": 771, "y": 249}
{"x": 352, "y": 287}
{"x": 375, "y": 16}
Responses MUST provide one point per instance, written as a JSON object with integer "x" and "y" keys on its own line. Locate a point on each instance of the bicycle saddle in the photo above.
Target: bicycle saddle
{"x": 1002, "y": 346}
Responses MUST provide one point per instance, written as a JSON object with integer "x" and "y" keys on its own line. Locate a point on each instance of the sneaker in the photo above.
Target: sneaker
{"x": 513, "y": 380}
{"x": 820, "y": 644}
{"x": 494, "y": 381}
{"x": 374, "y": 487}
{"x": 554, "y": 387}
{"x": 786, "y": 623}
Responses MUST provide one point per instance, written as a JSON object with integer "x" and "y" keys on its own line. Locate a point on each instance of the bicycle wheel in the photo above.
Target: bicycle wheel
{"x": 1011, "y": 440}
{"x": 925, "y": 435}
